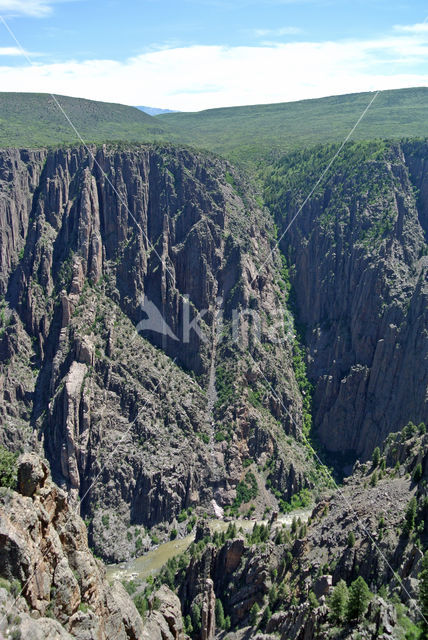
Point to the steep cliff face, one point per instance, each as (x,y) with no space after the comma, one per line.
(19,177)
(56,585)
(358,257)
(112,348)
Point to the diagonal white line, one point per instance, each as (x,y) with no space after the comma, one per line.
(8,610)
(338,489)
(318,182)
(89,151)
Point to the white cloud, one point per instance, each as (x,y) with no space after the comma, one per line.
(33,8)
(11,51)
(420,27)
(282,31)
(201,77)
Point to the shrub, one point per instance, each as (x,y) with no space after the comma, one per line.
(7,468)
(182,516)
(141,604)
(313,600)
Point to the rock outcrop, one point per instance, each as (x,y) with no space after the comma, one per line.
(52,586)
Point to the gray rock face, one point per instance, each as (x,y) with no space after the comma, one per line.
(361,288)
(44,546)
(32,474)
(20,172)
(120,423)
(164,622)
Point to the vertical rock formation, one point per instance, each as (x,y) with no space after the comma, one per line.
(158,240)
(359,274)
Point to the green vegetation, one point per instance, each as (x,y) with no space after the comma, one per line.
(7,468)
(417,473)
(338,602)
(34,120)
(376,457)
(351,539)
(245,491)
(423,596)
(219,614)
(246,133)
(304,386)
(359,598)
(254,614)
(289,181)
(410,517)
(299,500)
(224,386)
(243,134)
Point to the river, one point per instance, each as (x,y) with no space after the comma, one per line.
(151,562)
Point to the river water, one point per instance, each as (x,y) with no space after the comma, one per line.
(152,561)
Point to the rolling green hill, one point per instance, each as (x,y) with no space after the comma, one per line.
(245,133)
(242,134)
(33,119)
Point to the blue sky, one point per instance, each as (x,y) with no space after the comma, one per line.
(195,54)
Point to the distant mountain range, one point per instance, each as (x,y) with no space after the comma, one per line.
(153,111)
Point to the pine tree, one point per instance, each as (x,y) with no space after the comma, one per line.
(423,596)
(351,539)
(188,627)
(254,614)
(376,457)
(417,473)
(267,615)
(410,517)
(359,598)
(338,602)
(219,614)
(313,600)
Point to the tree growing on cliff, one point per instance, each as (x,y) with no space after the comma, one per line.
(410,517)
(359,598)
(196,617)
(267,615)
(376,457)
(351,539)
(219,614)
(423,596)
(254,614)
(417,473)
(338,602)
(7,468)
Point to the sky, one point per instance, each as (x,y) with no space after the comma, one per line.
(190,55)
